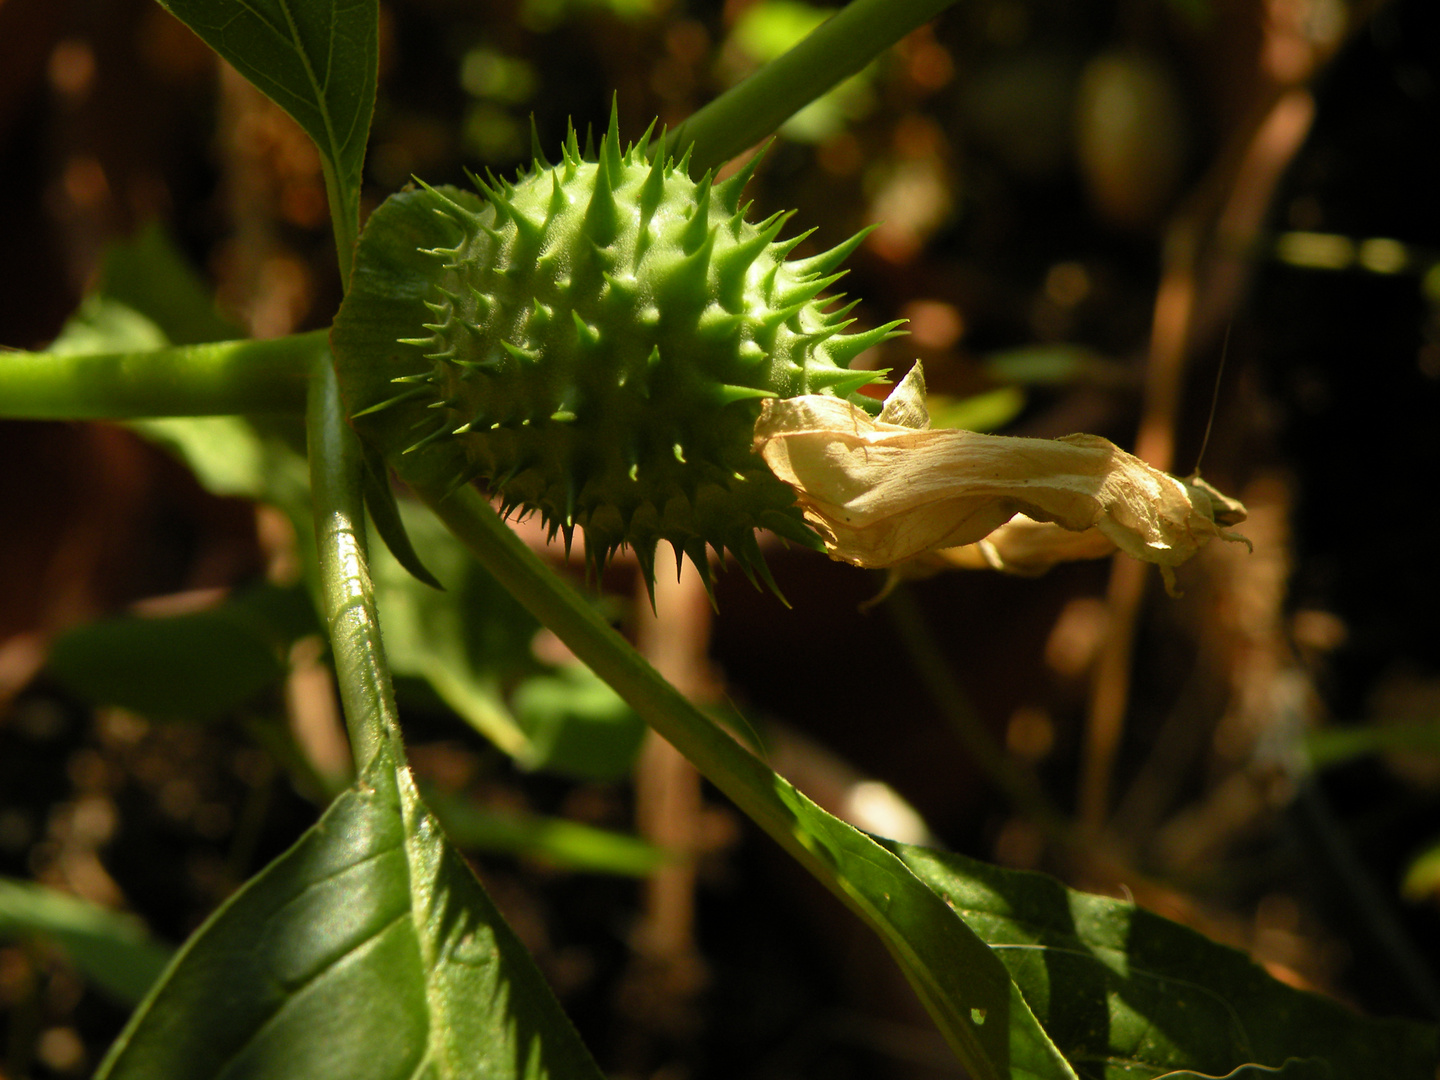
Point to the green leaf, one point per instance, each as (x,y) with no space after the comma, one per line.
(1127,995)
(112,950)
(1058,365)
(960,981)
(957,977)
(1330,746)
(317,60)
(555,841)
(368,951)
(467,641)
(979,412)
(577,725)
(385,515)
(196,665)
(150,275)
(105,325)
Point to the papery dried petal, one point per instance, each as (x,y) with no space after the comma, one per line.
(879,493)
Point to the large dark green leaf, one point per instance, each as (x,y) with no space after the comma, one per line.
(317,60)
(111,949)
(367,952)
(198,664)
(1126,994)
(960,980)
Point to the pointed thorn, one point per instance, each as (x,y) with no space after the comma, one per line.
(842,350)
(728,393)
(645,557)
(602,216)
(641,150)
(728,191)
(525,356)
(464,211)
(698,229)
(589,335)
(537,155)
(610,142)
(654,190)
(784,247)
(827,261)
(398,399)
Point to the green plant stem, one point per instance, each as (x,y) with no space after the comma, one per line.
(713,751)
(764,796)
(187,380)
(836,50)
(344,202)
(363,675)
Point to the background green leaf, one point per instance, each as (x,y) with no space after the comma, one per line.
(317,60)
(112,950)
(577,725)
(368,951)
(554,841)
(1126,994)
(196,665)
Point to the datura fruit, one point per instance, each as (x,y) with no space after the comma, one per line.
(611,345)
(592,342)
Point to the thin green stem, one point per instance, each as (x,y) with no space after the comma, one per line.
(837,49)
(360,667)
(186,380)
(831,851)
(344,204)
(712,750)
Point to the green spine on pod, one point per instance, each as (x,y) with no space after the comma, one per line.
(592,342)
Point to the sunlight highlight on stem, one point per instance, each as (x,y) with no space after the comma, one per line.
(837,49)
(214,379)
(350,615)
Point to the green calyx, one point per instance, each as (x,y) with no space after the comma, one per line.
(592,342)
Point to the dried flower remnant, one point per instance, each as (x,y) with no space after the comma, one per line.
(881,492)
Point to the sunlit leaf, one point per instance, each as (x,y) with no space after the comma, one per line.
(317,60)
(577,726)
(368,951)
(149,274)
(1128,995)
(978,412)
(466,641)
(963,984)
(111,950)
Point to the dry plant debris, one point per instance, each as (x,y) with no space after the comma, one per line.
(884,491)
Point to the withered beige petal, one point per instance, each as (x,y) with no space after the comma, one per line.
(1026,547)
(879,493)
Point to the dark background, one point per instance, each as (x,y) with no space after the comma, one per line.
(1000,235)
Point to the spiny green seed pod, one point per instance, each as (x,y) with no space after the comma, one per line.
(592,342)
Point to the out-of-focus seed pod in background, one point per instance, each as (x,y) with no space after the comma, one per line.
(1131,137)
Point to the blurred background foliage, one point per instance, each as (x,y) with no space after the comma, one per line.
(1080,208)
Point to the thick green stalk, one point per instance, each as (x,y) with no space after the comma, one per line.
(350,616)
(764,796)
(837,49)
(185,380)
